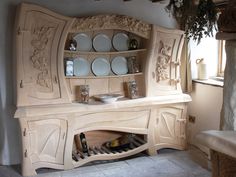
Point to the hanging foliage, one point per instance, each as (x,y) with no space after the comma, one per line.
(198,20)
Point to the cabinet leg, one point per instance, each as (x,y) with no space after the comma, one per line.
(152,151)
(27,168)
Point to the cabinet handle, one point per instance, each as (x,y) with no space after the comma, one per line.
(21,84)
(55,79)
(24,132)
(64,135)
(177,63)
(182,123)
(26,153)
(20,31)
(175,81)
(182,120)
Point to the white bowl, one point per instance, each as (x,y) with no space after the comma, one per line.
(108,98)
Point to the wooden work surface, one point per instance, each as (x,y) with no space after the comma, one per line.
(30,111)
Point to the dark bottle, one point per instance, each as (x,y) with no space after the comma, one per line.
(83,143)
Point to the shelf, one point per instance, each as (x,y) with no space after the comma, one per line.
(103,153)
(100,77)
(68,53)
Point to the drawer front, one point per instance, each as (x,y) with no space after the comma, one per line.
(115,119)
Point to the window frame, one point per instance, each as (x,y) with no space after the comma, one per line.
(221,55)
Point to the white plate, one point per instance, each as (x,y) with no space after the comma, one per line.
(101,67)
(120,42)
(84,42)
(81,67)
(102,43)
(119,65)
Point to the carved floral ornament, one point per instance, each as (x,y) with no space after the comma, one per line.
(163,61)
(102,22)
(39,58)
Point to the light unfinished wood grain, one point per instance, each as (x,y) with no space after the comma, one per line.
(47,109)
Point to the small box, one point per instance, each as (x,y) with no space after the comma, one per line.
(69,69)
(133,66)
(82,93)
(132,89)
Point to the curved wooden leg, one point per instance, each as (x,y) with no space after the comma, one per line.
(152,151)
(27,168)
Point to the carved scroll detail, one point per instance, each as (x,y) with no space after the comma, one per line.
(101,22)
(163,60)
(39,59)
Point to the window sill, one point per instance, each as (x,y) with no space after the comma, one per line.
(214,81)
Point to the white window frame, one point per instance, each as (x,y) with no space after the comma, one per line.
(221,58)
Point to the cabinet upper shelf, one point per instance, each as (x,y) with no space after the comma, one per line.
(99,77)
(68,53)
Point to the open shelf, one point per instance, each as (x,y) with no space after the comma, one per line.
(138,144)
(71,54)
(100,77)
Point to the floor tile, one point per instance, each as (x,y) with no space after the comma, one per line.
(168,163)
(120,164)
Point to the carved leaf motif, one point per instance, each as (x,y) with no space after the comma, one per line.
(112,22)
(163,60)
(40,40)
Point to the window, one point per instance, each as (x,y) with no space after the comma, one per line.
(222,58)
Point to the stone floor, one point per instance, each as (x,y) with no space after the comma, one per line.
(168,163)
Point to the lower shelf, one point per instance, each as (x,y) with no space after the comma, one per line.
(104,153)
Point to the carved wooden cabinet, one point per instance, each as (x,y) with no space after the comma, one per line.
(51,119)
(170,124)
(48,146)
(40,36)
(43,141)
(162,74)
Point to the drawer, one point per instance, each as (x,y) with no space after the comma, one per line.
(114,120)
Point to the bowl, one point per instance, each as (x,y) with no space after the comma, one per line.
(108,98)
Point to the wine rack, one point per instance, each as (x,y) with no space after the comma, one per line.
(138,144)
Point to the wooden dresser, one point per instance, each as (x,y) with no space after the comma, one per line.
(47,107)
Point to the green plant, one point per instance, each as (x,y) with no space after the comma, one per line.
(198,20)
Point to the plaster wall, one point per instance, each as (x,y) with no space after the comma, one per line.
(206,108)
(206,99)
(9,128)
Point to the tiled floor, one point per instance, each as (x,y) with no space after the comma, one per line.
(168,163)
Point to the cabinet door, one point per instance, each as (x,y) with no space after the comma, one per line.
(40,38)
(162,72)
(170,127)
(47,140)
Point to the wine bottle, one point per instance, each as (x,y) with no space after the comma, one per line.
(84,143)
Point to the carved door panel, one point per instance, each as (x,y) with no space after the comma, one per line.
(164,61)
(39,41)
(47,140)
(170,127)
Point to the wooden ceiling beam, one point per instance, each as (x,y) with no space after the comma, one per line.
(131,0)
